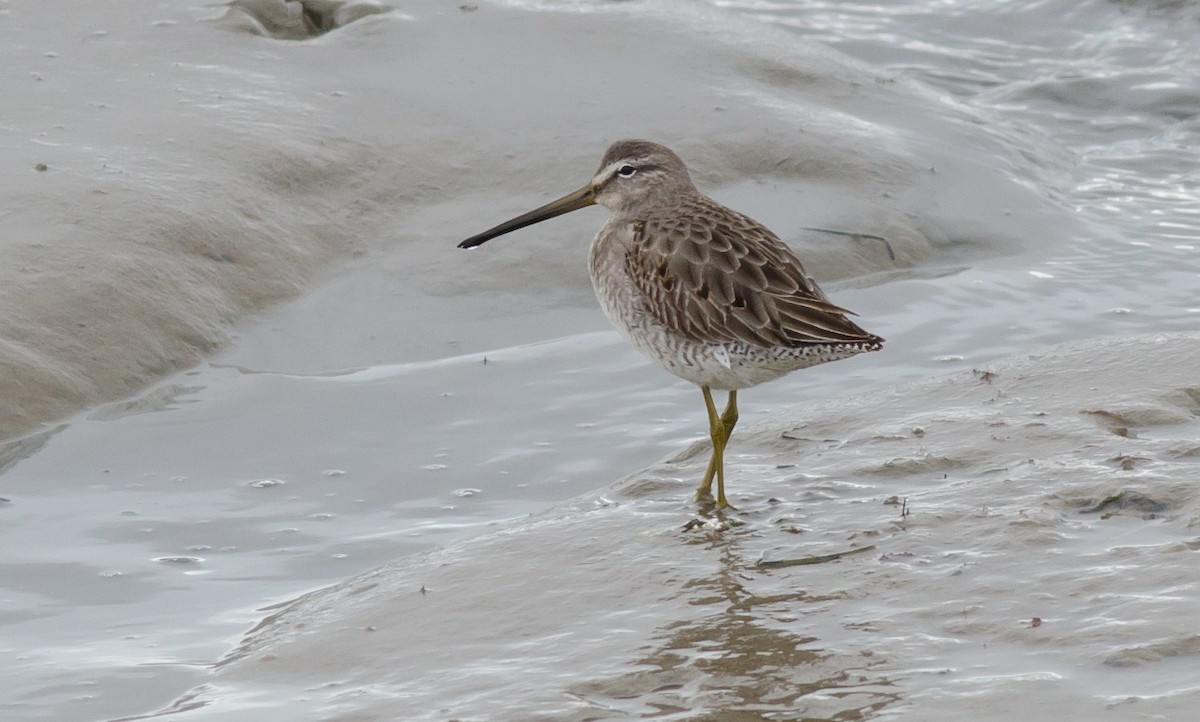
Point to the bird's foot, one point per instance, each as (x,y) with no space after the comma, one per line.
(709,504)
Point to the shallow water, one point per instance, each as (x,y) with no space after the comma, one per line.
(141,537)
(138,523)
(942,604)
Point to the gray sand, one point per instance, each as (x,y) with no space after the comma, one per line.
(215,173)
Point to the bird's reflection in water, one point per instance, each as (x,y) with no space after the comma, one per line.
(741,657)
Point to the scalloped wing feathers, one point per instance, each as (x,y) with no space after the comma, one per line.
(715,275)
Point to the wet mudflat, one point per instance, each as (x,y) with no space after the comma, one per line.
(1031,519)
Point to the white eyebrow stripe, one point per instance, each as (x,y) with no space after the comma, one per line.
(608,171)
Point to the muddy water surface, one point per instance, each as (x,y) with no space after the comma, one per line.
(143,536)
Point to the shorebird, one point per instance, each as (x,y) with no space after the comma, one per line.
(710,294)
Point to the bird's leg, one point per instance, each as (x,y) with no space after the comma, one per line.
(729,419)
(704,491)
(719,429)
(730,415)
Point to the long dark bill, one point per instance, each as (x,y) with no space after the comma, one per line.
(581,198)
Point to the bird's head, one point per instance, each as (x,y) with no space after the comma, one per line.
(634,174)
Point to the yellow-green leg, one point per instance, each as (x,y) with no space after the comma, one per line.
(720,428)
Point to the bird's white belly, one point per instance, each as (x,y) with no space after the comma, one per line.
(723,366)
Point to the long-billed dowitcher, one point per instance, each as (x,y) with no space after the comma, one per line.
(710,294)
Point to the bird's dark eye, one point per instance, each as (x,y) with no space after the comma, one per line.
(626,171)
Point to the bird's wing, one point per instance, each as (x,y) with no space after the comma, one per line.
(719,276)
